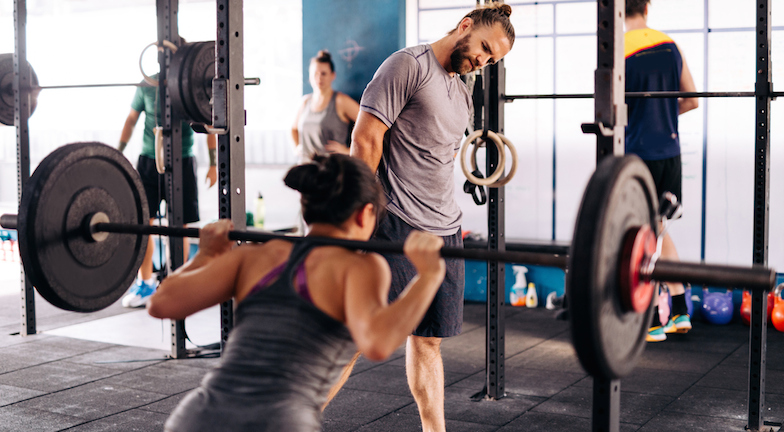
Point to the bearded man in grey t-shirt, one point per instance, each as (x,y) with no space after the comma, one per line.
(412,118)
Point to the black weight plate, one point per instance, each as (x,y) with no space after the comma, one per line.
(190,80)
(7,89)
(608,339)
(69,270)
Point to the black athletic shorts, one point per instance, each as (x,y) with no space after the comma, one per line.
(155,187)
(444,318)
(667,175)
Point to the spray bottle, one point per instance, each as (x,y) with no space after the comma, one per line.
(517,296)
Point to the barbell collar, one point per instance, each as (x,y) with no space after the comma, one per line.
(752,278)
(8,221)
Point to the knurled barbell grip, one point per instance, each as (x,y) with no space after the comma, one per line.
(752,278)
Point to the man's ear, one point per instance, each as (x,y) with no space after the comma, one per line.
(464,25)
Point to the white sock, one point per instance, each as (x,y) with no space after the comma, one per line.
(151,281)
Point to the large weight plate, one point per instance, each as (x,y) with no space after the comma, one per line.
(189,80)
(7,89)
(69,270)
(607,336)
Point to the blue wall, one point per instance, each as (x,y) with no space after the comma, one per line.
(360,35)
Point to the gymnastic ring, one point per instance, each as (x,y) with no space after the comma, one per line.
(149,80)
(512,169)
(499,171)
(160,163)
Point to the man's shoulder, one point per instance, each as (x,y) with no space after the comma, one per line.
(642,39)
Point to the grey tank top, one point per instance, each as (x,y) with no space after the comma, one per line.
(317,128)
(280,361)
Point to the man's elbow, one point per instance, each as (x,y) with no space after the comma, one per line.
(689,104)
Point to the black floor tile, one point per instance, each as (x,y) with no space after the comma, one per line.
(636,408)
(656,382)
(16,419)
(129,421)
(551,355)
(679,360)
(91,401)
(11,394)
(527,381)
(672,422)
(164,378)
(44,350)
(548,422)
(397,422)
(723,403)
(352,409)
(166,405)
(54,376)
(458,405)
(121,357)
(737,378)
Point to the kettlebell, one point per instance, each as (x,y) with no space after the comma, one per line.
(777,316)
(717,307)
(745,307)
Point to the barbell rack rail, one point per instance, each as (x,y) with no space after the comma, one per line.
(637,95)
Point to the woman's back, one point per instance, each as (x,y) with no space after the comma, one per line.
(282,357)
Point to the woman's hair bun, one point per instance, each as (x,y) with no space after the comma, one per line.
(324,54)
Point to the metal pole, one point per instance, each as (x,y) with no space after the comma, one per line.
(229,112)
(21,84)
(759,299)
(606,409)
(172,145)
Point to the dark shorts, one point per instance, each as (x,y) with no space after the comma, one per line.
(155,187)
(667,175)
(444,318)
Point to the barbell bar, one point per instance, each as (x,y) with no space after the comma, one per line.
(83,221)
(638,95)
(248,82)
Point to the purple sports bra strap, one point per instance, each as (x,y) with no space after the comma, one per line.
(265,281)
(302,283)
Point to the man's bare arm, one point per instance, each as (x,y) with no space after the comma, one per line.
(687,85)
(367,140)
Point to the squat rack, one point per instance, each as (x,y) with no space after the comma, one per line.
(228,114)
(609,127)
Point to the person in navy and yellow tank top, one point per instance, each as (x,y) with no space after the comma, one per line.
(654,63)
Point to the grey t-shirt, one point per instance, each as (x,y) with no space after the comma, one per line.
(427,112)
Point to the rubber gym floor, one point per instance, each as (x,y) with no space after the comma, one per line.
(691,382)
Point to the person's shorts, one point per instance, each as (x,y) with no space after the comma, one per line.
(155,187)
(666,175)
(444,318)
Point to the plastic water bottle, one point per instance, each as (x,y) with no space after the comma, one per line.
(258,221)
(517,296)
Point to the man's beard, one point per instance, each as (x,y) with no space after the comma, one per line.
(458,58)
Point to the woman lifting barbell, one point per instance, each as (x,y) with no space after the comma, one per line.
(303,311)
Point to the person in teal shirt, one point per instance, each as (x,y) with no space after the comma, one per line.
(146,101)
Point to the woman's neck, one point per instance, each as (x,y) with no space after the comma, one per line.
(323,94)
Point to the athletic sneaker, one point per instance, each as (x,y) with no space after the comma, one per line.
(682,323)
(656,334)
(139,294)
(670,327)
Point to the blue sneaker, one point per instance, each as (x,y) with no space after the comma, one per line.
(656,334)
(682,323)
(670,327)
(139,294)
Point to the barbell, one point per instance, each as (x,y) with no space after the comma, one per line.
(189,83)
(83,218)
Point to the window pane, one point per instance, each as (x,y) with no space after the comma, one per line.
(575,64)
(575,161)
(532,19)
(433,25)
(676,14)
(529,67)
(730,181)
(731,13)
(575,18)
(731,61)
